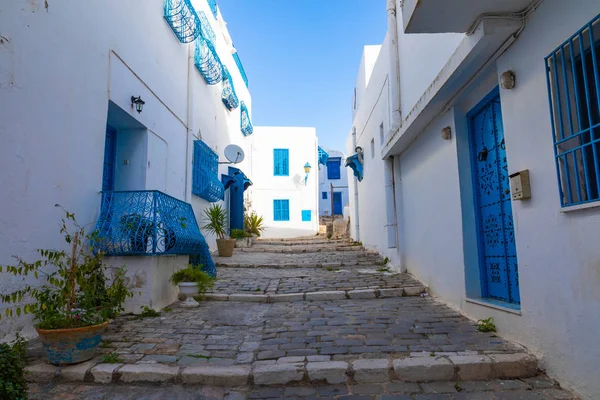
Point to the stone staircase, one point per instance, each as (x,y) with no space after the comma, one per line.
(300,318)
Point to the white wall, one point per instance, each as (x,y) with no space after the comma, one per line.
(365,70)
(340,185)
(302,145)
(54,104)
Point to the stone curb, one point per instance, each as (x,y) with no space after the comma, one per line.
(405,291)
(419,368)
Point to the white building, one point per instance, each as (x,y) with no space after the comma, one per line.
(282,192)
(466,173)
(333,183)
(70,74)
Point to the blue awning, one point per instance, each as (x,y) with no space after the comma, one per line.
(354,163)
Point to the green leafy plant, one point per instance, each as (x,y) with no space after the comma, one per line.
(12,370)
(254,224)
(239,234)
(194,274)
(383,270)
(215,218)
(486,325)
(167,309)
(148,312)
(111,358)
(386,260)
(458,388)
(77,289)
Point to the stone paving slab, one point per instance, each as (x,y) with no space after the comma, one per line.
(303,280)
(539,388)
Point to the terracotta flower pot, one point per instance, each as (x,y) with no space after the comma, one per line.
(71,346)
(225,247)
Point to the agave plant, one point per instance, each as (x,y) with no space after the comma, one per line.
(215,218)
(254,223)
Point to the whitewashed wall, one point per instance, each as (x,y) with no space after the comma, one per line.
(302,145)
(61,66)
(340,185)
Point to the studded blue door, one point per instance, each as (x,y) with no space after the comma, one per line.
(110,154)
(498,254)
(337,203)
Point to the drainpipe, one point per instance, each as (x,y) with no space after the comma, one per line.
(188,126)
(356,224)
(394,68)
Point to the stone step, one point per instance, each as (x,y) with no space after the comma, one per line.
(300,249)
(315,242)
(333,264)
(418,367)
(320,296)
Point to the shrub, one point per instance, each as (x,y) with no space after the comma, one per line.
(12,375)
(239,234)
(194,274)
(254,224)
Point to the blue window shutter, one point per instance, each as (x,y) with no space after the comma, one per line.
(281,162)
(333,168)
(324,195)
(276,210)
(306,215)
(285,210)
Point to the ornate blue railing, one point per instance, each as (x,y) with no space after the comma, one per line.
(228,95)
(245,123)
(213,7)
(205,173)
(323,156)
(354,163)
(238,62)
(182,17)
(207,61)
(205,29)
(148,222)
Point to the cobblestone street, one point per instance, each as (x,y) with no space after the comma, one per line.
(297,317)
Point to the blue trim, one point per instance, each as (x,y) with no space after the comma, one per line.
(281,162)
(306,215)
(213,7)
(110,155)
(238,62)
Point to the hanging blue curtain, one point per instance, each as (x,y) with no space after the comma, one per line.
(182,18)
(245,122)
(228,96)
(354,163)
(207,61)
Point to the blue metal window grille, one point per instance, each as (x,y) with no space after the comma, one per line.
(333,168)
(573,79)
(323,156)
(245,123)
(306,215)
(183,19)
(354,163)
(324,195)
(281,162)
(281,210)
(228,95)
(205,173)
(207,61)
(213,7)
(238,62)
(205,29)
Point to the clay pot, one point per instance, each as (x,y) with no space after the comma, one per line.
(225,247)
(71,346)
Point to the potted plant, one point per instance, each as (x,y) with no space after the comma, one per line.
(193,283)
(254,224)
(242,238)
(215,218)
(75,299)
(139,229)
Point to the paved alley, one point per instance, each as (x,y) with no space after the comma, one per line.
(305,318)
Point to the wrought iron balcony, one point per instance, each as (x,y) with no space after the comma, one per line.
(147,222)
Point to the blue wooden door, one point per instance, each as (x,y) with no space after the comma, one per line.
(110,154)
(498,253)
(337,203)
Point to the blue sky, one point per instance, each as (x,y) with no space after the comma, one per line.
(302,57)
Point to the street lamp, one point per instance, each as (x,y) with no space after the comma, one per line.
(138,103)
(307,168)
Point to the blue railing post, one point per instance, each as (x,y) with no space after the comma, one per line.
(155,227)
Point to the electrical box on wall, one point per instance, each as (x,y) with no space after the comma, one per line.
(519,185)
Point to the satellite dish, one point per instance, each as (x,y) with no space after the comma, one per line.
(234,153)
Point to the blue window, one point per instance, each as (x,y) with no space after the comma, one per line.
(324,195)
(306,215)
(281,210)
(573,78)
(333,168)
(281,162)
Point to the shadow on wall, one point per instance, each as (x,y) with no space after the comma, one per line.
(274,232)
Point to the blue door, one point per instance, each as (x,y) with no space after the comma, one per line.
(110,154)
(498,253)
(337,203)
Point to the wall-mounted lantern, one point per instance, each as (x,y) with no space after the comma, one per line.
(138,103)
(307,168)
